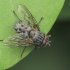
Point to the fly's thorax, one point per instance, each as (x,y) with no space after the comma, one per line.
(21,27)
(37,37)
(35,27)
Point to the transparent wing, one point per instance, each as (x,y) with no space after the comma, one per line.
(16,41)
(26,15)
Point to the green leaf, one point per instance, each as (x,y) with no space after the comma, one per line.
(50,9)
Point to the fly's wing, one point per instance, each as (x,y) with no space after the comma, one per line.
(26,15)
(16,41)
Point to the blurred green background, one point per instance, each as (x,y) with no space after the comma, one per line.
(57,56)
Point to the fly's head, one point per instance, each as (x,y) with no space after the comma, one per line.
(40,39)
(46,41)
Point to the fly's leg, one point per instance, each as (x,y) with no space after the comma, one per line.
(40,20)
(16,15)
(23,50)
(1,40)
(36,26)
(39,23)
(35,48)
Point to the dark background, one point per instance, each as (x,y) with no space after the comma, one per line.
(57,56)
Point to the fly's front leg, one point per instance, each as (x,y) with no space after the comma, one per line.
(40,20)
(36,26)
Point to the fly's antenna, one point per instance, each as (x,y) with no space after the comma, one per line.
(23,50)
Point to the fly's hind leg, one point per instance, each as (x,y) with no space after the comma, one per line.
(16,15)
(1,40)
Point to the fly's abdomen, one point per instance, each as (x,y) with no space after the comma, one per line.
(22,28)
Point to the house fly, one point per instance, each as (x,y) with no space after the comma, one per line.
(27,31)
(38,37)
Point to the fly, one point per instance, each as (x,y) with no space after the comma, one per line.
(27,31)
